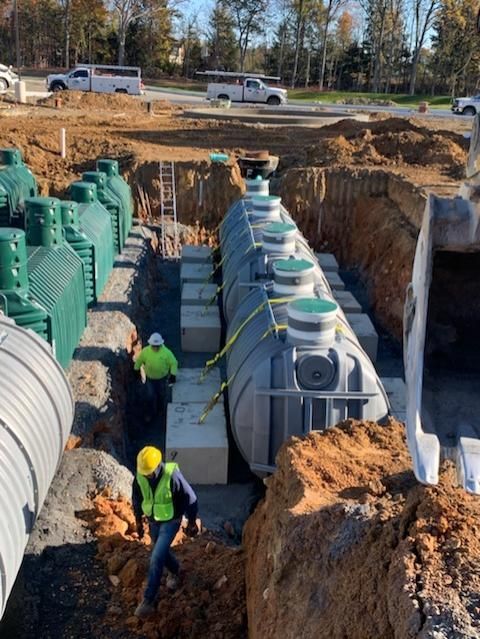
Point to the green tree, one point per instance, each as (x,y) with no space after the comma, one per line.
(456,44)
(249,17)
(222,46)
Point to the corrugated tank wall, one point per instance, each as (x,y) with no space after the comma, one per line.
(36,414)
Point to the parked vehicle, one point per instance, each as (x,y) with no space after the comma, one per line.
(98,78)
(243,87)
(7,78)
(467,106)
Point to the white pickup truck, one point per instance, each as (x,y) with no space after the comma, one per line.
(467,106)
(241,87)
(7,78)
(99,79)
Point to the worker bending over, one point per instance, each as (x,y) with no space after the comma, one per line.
(162,494)
(160,366)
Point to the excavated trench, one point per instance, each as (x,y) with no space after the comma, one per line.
(369,219)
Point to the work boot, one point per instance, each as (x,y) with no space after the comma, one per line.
(173,582)
(144,609)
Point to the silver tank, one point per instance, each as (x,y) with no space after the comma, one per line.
(294,364)
(36,415)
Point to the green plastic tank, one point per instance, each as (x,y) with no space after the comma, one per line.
(15,298)
(118,186)
(55,276)
(88,229)
(17,183)
(111,204)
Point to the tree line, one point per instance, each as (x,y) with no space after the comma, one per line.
(381,46)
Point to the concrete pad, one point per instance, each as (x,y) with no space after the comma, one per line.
(328,262)
(365,331)
(201,450)
(397,394)
(347,302)
(198,294)
(188,386)
(196,254)
(200,329)
(335,281)
(196,273)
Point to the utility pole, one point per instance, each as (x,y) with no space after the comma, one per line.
(17,35)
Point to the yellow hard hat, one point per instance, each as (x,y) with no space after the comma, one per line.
(148,459)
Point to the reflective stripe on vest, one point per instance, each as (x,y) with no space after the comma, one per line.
(160,505)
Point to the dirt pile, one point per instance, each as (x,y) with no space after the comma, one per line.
(97,101)
(392,142)
(347,544)
(209,603)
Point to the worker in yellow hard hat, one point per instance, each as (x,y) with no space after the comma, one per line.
(163,496)
(160,366)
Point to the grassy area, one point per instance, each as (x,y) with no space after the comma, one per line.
(402,99)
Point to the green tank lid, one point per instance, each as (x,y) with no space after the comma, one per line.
(313,305)
(96,177)
(69,211)
(110,167)
(44,221)
(293,265)
(13,260)
(83,192)
(11,157)
(279,228)
(267,198)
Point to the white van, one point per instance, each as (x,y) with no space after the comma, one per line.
(99,78)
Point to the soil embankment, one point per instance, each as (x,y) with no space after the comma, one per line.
(348,544)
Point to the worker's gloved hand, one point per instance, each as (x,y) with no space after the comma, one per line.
(192,529)
(172,379)
(140,529)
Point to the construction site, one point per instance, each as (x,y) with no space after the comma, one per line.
(317,281)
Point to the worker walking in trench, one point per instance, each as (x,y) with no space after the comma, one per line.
(162,494)
(160,366)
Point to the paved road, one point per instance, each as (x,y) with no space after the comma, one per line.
(179,96)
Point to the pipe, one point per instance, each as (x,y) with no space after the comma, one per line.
(36,415)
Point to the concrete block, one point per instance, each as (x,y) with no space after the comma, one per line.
(328,262)
(397,394)
(188,386)
(200,329)
(196,273)
(196,254)
(335,281)
(198,294)
(347,302)
(365,331)
(201,450)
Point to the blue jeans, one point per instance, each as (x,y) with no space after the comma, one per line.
(156,391)
(162,534)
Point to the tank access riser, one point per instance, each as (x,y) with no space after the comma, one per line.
(441,336)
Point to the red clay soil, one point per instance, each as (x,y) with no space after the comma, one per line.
(210,601)
(347,545)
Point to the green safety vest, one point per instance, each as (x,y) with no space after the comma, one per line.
(159,505)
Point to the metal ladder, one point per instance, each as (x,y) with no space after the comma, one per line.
(168,205)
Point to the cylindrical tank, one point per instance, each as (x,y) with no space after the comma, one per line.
(111,204)
(119,188)
(36,414)
(44,222)
(279,388)
(17,182)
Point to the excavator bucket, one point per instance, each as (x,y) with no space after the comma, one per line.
(442,334)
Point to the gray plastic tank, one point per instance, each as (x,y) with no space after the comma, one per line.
(36,414)
(292,371)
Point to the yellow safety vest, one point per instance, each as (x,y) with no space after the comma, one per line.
(160,505)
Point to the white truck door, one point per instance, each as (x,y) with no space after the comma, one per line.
(79,80)
(255,91)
